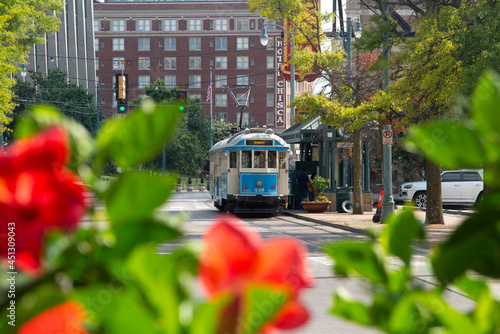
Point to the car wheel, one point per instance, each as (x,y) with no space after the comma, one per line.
(420,199)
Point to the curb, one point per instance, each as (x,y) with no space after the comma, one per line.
(317,221)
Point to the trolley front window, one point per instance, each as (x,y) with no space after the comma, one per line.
(271,159)
(246,159)
(233,158)
(259,159)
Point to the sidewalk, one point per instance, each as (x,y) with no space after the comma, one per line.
(359,223)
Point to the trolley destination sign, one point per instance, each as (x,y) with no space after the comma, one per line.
(259,142)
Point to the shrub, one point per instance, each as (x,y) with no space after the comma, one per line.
(317,186)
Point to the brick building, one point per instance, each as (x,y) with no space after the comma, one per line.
(183,42)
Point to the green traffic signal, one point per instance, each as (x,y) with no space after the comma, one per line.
(122,108)
(181,108)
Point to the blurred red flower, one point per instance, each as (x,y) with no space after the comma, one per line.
(37,193)
(235,258)
(65,318)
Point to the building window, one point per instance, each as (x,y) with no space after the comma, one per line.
(195,63)
(242,24)
(143,44)
(169,44)
(160,25)
(270,100)
(221,116)
(221,24)
(170,63)
(252,24)
(242,80)
(220,81)
(96,44)
(194,44)
(221,100)
(143,25)
(245,118)
(118,44)
(194,25)
(96,63)
(242,62)
(144,63)
(221,63)
(270,43)
(118,63)
(242,43)
(270,81)
(170,25)
(221,43)
(195,81)
(252,62)
(118,25)
(170,81)
(143,81)
(96,25)
(269,118)
(270,62)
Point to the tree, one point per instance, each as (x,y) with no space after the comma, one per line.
(22,25)
(74,101)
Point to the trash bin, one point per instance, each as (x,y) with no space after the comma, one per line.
(343,194)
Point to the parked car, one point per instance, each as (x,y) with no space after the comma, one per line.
(463,186)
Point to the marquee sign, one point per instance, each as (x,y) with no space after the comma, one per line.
(280,87)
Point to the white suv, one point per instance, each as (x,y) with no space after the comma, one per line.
(463,186)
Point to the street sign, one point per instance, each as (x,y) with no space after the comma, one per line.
(387,137)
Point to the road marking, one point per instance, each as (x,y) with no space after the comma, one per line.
(321,259)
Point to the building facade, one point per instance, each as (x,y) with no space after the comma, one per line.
(191,44)
(71,49)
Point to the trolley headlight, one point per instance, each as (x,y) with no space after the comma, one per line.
(259,183)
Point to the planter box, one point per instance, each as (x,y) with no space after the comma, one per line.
(315,207)
(189,187)
(178,187)
(201,187)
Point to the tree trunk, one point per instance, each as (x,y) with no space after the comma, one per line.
(434,214)
(357,175)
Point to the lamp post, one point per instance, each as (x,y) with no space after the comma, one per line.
(264,38)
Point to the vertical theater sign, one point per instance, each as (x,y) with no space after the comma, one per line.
(280,86)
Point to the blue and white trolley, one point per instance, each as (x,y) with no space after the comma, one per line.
(249,172)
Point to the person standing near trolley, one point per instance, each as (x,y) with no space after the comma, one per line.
(303,182)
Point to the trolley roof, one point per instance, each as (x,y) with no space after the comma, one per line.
(238,141)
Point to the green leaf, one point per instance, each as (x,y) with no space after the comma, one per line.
(351,310)
(261,303)
(451,144)
(358,258)
(474,245)
(134,196)
(206,317)
(400,232)
(138,137)
(42,117)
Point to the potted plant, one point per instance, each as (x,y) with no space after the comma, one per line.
(178,184)
(319,203)
(189,186)
(201,186)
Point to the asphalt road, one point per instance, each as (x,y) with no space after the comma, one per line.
(200,215)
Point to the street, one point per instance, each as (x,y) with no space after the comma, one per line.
(201,212)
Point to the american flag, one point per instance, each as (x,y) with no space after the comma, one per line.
(209,92)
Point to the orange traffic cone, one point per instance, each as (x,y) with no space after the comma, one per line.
(378,214)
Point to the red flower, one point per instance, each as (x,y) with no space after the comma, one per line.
(235,258)
(65,318)
(37,192)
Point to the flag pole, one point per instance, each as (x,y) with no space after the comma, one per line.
(211,105)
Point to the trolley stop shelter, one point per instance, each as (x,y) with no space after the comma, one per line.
(326,151)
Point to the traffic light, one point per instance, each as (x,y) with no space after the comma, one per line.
(181,99)
(122,106)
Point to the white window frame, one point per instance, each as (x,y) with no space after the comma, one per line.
(194,25)
(143,81)
(221,25)
(170,80)
(220,81)
(245,118)
(221,63)
(96,25)
(242,43)
(195,63)
(118,44)
(143,63)
(170,40)
(270,81)
(118,25)
(269,100)
(269,62)
(170,25)
(143,25)
(143,44)
(117,63)
(170,63)
(242,25)
(194,43)
(242,63)
(195,81)
(221,100)
(96,44)
(242,79)
(220,43)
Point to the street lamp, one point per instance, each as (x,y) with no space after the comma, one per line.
(264,39)
(23,72)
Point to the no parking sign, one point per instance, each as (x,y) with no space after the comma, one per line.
(387,136)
